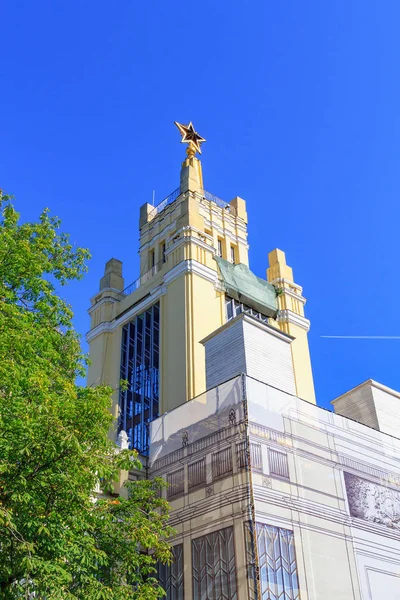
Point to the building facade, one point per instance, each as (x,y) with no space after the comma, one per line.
(272,497)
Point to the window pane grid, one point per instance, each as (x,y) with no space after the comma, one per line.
(234,308)
(139,403)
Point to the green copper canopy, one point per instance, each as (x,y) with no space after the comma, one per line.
(240,283)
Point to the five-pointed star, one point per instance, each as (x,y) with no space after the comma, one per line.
(190,136)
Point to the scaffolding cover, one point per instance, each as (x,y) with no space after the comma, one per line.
(241,284)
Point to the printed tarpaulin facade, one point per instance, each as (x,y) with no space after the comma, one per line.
(240,283)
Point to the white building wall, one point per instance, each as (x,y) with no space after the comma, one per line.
(331,485)
(358,404)
(268,356)
(246,345)
(341,499)
(387,410)
(225,354)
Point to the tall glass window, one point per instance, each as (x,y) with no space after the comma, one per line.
(277,563)
(140,367)
(213,566)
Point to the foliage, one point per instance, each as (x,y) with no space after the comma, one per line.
(58,540)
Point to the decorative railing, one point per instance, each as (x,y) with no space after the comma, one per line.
(176,193)
(216,200)
(142,279)
(168,200)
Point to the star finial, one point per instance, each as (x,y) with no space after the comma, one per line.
(191,137)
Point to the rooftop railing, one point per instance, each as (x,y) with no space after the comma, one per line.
(216,200)
(168,200)
(176,193)
(142,279)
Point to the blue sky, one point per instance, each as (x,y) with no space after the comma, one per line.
(300,105)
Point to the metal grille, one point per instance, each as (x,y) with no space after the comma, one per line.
(222,463)
(216,200)
(168,200)
(278,463)
(140,362)
(277,563)
(135,285)
(176,483)
(241,455)
(197,473)
(256,457)
(170,577)
(213,566)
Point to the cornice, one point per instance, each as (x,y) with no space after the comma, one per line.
(288,316)
(103,291)
(189,239)
(286,283)
(105,327)
(105,300)
(158,236)
(110,326)
(187,266)
(191,266)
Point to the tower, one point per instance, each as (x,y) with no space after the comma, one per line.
(292,321)
(194,277)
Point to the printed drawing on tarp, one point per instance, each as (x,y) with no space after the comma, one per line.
(373,502)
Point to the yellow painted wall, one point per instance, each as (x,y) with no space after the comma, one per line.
(105,355)
(302,364)
(204,314)
(173,346)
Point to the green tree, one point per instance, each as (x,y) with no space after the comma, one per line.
(58,539)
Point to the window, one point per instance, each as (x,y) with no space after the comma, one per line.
(222,463)
(278,463)
(163,247)
(152,259)
(234,308)
(277,563)
(176,483)
(213,566)
(219,252)
(170,577)
(233,255)
(256,457)
(197,474)
(241,455)
(140,364)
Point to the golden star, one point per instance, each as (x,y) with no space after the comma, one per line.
(190,136)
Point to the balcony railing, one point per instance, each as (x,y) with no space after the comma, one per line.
(142,279)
